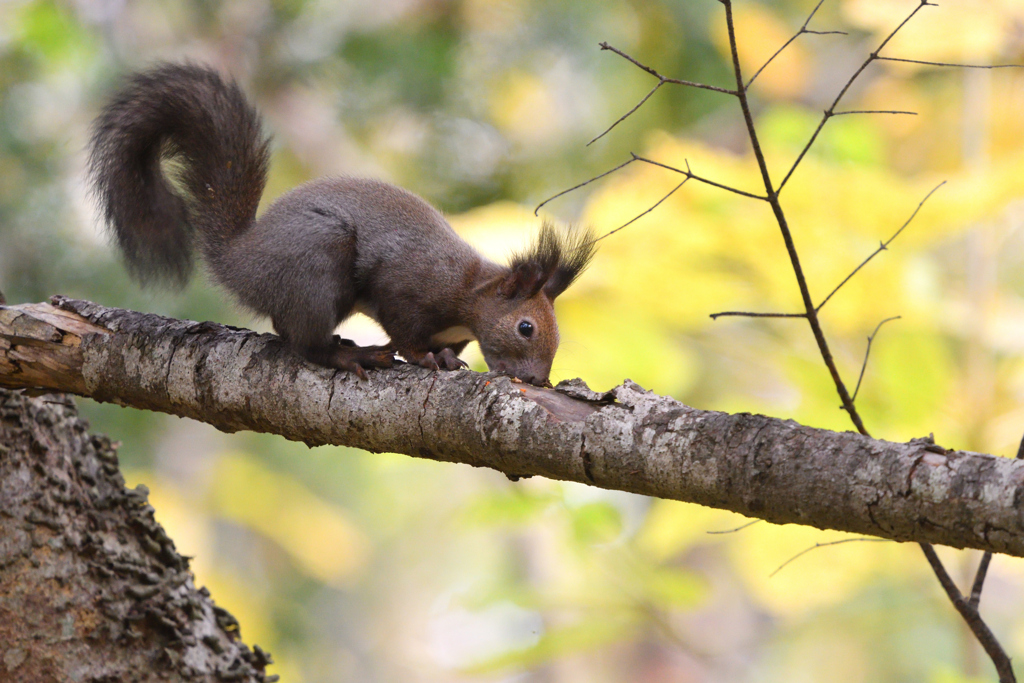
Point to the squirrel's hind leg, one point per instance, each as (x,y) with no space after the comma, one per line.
(351,358)
(443,359)
(318,345)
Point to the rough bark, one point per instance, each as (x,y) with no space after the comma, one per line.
(91,587)
(627,439)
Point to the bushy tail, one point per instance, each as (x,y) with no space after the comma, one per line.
(187,119)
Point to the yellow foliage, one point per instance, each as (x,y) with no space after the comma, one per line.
(317,535)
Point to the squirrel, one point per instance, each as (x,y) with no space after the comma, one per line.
(322,251)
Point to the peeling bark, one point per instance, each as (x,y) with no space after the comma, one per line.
(91,587)
(627,439)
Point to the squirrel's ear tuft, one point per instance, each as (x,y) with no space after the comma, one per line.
(576,247)
(551,263)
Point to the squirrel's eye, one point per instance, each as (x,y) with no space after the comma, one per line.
(526,329)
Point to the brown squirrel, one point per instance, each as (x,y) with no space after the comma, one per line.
(323,250)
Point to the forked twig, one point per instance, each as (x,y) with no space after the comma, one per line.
(662,80)
(830,112)
(867,353)
(882,246)
(676,81)
(690,174)
(970,615)
(802,31)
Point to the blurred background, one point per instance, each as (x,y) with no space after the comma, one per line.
(349,566)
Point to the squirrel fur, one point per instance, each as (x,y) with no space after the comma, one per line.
(322,251)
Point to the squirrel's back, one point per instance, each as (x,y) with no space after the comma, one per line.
(186,114)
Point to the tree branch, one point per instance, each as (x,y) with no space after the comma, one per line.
(627,439)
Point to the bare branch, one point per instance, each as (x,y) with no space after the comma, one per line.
(739,528)
(690,174)
(979,580)
(628,113)
(873,111)
(882,246)
(638,217)
(822,545)
(803,30)
(867,353)
(830,112)
(585,182)
(787,237)
(970,615)
(747,314)
(948,64)
(692,84)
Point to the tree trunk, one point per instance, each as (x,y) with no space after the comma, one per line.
(91,587)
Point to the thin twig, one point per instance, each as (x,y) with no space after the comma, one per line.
(830,112)
(979,579)
(690,174)
(873,111)
(739,528)
(803,30)
(677,81)
(628,113)
(585,182)
(948,64)
(747,314)
(638,217)
(867,353)
(882,246)
(823,545)
(970,615)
